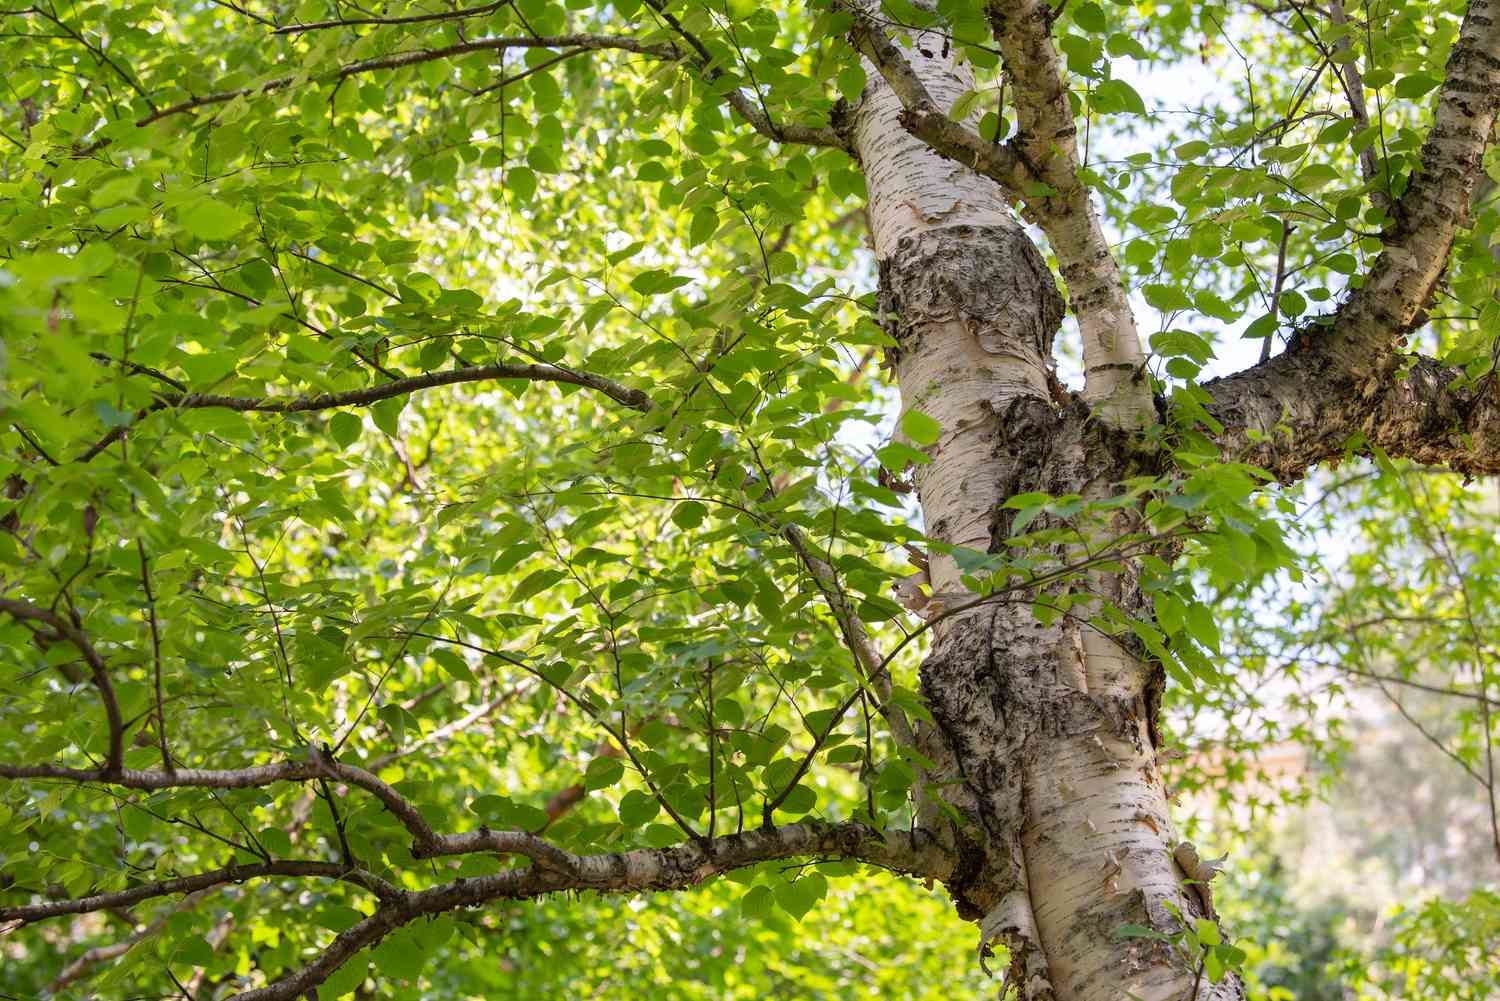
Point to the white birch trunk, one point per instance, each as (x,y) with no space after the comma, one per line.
(1050,726)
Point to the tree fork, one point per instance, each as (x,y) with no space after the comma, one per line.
(1048,729)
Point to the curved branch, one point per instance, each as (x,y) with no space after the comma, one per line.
(758,118)
(25,610)
(872,667)
(921,115)
(28,913)
(636,871)
(1346,386)
(1046,140)
(317,766)
(90,958)
(632,398)
(402,59)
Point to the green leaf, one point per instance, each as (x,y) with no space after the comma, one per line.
(1167,298)
(1415,86)
(387,415)
(344,428)
(964,105)
(522,182)
(1201,625)
(345,980)
(851,82)
(636,808)
(757,903)
(689,514)
(1117,96)
(210,219)
(602,773)
(798,897)
(1090,17)
(655,282)
(920,428)
(535,584)
(705,224)
(452,664)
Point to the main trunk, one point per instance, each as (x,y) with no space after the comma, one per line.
(1044,733)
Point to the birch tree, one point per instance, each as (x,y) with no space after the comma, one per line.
(459,456)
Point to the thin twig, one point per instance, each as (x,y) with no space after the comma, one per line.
(447,15)
(161,717)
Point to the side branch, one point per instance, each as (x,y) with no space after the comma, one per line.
(27,612)
(1346,384)
(28,913)
(1295,411)
(1046,140)
(317,766)
(401,59)
(921,115)
(872,666)
(445,15)
(632,398)
(757,116)
(636,871)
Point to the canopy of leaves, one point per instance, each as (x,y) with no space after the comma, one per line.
(488,397)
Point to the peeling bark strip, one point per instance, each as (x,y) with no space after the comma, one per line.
(1045,732)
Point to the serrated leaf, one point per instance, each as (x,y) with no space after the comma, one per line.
(920,428)
(689,514)
(209,219)
(344,428)
(705,224)
(535,584)
(964,106)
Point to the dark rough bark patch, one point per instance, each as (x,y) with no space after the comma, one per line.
(992,278)
(1301,408)
(1027,430)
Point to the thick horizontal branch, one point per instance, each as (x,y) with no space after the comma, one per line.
(402,59)
(1346,384)
(1299,409)
(63,629)
(538,849)
(645,869)
(426,843)
(28,913)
